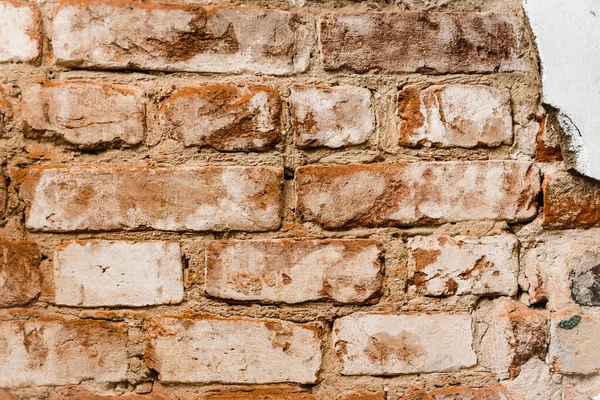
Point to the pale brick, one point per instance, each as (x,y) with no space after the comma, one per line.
(180,37)
(459,393)
(394,344)
(53,351)
(181,199)
(405,194)
(509,334)
(291,271)
(236,350)
(20,31)
(20,277)
(331,116)
(224,117)
(575,350)
(570,201)
(88,115)
(106,273)
(561,269)
(455,116)
(444,265)
(535,382)
(581,387)
(411,41)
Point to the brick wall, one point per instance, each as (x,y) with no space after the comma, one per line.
(300,201)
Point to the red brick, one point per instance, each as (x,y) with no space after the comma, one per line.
(570,201)
(255,395)
(361,395)
(224,117)
(234,350)
(455,116)
(54,351)
(77,395)
(404,194)
(20,277)
(410,41)
(180,199)
(179,37)
(548,140)
(294,271)
(3,193)
(491,393)
(20,31)
(331,116)
(88,115)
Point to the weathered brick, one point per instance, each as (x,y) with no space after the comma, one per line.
(3,193)
(535,382)
(233,350)
(331,116)
(54,351)
(362,395)
(179,37)
(411,41)
(548,140)
(509,334)
(388,344)
(570,201)
(255,395)
(443,265)
(20,277)
(224,117)
(404,194)
(458,393)
(291,271)
(455,116)
(20,31)
(561,269)
(107,273)
(78,395)
(574,350)
(88,115)
(113,198)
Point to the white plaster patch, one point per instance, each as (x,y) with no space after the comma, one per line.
(568,39)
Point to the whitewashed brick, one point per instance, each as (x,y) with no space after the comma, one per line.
(236,350)
(394,344)
(20,31)
(105,273)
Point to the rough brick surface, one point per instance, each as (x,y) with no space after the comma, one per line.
(3,193)
(224,117)
(20,31)
(288,271)
(53,351)
(575,350)
(509,335)
(420,42)
(387,344)
(107,273)
(20,277)
(570,201)
(561,269)
(331,116)
(444,265)
(179,37)
(88,115)
(417,193)
(491,393)
(112,198)
(455,116)
(233,350)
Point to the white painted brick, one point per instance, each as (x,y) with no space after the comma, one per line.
(105,273)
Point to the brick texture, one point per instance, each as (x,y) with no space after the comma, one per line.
(224,117)
(573,350)
(417,193)
(387,344)
(105,273)
(331,117)
(213,350)
(570,201)
(20,31)
(420,42)
(20,277)
(54,351)
(85,114)
(443,266)
(112,198)
(285,271)
(179,37)
(455,116)
(491,393)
